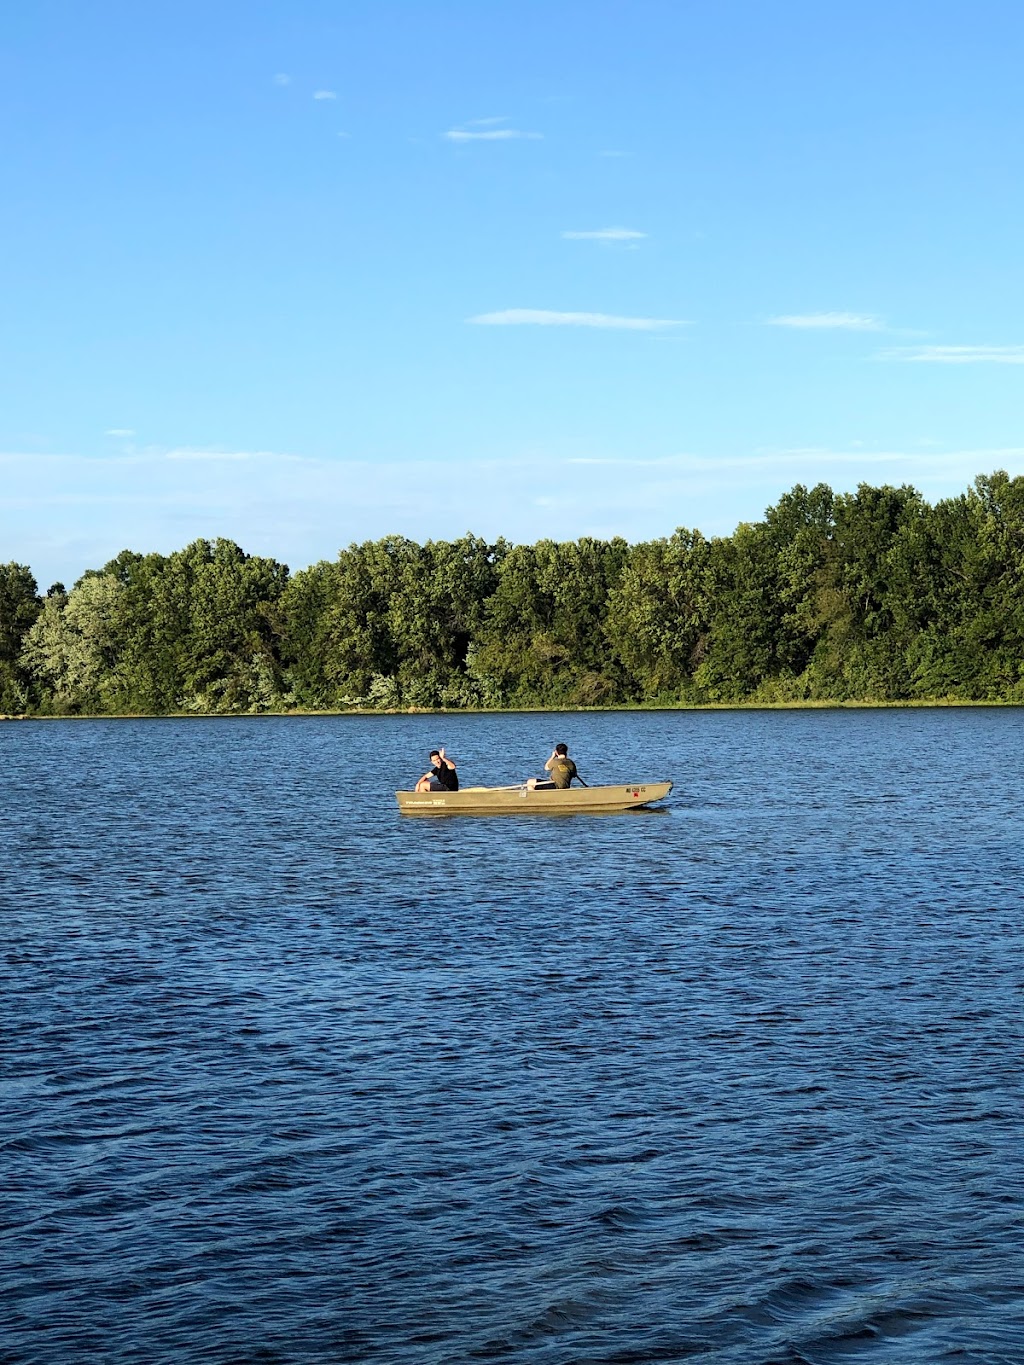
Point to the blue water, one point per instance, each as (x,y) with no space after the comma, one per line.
(287,1077)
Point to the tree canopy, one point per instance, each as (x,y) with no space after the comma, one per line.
(874,595)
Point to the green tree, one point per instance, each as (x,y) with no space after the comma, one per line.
(436,612)
(543,640)
(959,581)
(657,619)
(19,608)
(70,650)
(303,626)
(355,635)
(861,652)
(227,602)
(763,583)
(743,612)
(149,638)
(194,631)
(389,623)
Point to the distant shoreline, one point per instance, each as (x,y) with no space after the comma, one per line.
(838,601)
(915,704)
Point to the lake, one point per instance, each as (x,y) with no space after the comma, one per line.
(288,1077)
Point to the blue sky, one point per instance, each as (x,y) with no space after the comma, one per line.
(301,274)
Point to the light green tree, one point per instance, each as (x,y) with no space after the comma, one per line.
(71,649)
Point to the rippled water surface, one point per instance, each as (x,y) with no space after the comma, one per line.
(288,1077)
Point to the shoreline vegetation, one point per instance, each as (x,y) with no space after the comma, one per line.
(911,704)
(867,599)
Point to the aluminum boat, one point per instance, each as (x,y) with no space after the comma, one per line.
(532,800)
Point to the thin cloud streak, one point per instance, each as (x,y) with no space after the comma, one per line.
(298,509)
(956,355)
(539,317)
(324,95)
(490,135)
(189,453)
(846,322)
(810,455)
(612,234)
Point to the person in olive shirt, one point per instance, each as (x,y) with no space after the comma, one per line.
(441,776)
(561,768)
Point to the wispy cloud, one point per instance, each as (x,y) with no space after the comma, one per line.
(847,322)
(219,456)
(478,134)
(610,234)
(119,431)
(542,317)
(70,512)
(956,355)
(324,95)
(811,457)
(282,78)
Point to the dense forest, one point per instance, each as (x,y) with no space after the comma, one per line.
(874,596)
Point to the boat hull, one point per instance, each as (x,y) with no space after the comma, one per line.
(525,800)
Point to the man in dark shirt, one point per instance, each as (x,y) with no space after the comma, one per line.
(441,775)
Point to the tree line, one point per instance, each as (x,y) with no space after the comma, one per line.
(873,596)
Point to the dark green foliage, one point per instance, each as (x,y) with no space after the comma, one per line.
(390,622)
(873,595)
(658,618)
(19,608)
(861,650)
(959,594)
(543,640)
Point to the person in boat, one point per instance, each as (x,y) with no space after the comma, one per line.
(561,769)
(441,775)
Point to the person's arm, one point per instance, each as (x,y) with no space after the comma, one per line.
(548,764)
(448,762)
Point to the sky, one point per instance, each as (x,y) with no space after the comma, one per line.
(308,273)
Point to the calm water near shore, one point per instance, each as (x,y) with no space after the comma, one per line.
(285,1077)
